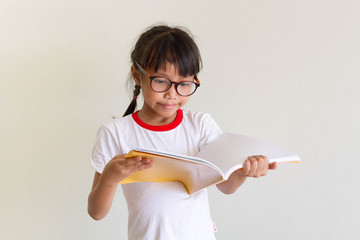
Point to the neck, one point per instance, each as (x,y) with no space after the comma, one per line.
(154,119)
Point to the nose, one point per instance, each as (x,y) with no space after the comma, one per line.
(171,93)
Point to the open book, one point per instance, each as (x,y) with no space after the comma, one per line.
(214,163)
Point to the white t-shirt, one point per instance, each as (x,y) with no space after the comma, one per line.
(160,210)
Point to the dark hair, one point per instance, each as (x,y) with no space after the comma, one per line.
(161,44)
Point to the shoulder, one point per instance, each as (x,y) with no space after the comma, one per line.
(198,118)
(196,115)
(203,124)
(116,123)
(113,127)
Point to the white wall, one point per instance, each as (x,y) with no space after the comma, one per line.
(283,71)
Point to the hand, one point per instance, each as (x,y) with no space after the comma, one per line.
(256,166)
(120,168)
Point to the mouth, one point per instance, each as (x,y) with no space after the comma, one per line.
(168,106)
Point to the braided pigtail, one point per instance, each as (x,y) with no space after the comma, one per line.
(131,108)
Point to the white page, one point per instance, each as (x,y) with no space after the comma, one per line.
(229,151)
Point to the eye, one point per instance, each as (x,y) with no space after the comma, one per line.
(185,84)
(161,81)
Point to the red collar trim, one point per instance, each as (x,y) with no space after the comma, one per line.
(161,128)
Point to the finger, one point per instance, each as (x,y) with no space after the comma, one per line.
(262,168)
(253,166)
(141,165)
(146,162)
(122,157)
(132,161)
(141,161)
(265,159)
(264,165)
(149,164)
(128,170)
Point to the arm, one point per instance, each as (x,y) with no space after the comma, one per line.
(105,184)
(254,166)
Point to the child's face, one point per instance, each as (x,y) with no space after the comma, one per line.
(161,108)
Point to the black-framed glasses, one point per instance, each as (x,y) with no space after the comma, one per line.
(162,84)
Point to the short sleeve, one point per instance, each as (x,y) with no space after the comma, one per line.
(104,149)
(209,130)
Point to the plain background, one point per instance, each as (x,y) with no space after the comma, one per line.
(283,71)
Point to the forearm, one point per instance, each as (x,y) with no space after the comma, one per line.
(100,200)
(232,184)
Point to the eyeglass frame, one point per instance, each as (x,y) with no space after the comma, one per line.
(151,78)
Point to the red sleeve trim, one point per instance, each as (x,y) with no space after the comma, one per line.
(161,128)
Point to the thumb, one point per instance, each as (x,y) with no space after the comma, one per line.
(273,165)
(246,168)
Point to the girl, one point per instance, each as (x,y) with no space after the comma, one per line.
(165,65)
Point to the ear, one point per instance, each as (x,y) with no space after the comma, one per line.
(136,76)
